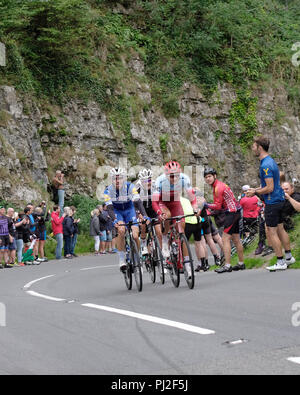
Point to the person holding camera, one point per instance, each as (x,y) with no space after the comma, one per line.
(41,219)
(58,184)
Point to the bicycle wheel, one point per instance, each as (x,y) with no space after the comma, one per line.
(188,274)
(159,260)
(128,276)
(150,267)
(137,267)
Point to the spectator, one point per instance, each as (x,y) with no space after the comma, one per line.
(289,209)
(273,196)
(103,218)
(57,228)
(41,220)
(295,203)
(68,231)
(12,246)
(95,229)
(250,209)
(58,184)
(76,231)
(5,238)
(109,228)
(22,223)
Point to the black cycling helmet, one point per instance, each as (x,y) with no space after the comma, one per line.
(209,170)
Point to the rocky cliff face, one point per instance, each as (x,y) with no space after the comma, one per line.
(36,139)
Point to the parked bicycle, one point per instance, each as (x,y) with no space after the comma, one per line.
(176,264)
(133,262)
(248,234)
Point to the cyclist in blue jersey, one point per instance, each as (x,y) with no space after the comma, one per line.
(122,201)
(273,196)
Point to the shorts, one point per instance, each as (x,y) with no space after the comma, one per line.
(108,236)
(150,212)
(274,214)
(193,229)
(174,207)
(4,242)
(12,246)
(213,229)
(42,236)
(126,215)
(232,223)
(103,236)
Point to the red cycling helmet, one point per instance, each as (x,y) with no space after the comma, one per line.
(172,167)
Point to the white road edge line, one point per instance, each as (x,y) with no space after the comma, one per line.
(294,359)
(156,320)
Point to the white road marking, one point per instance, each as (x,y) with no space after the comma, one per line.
(45,296)
(33,293)
(156,320)
(294,359)
(28,285)
(97,267)
(150,318)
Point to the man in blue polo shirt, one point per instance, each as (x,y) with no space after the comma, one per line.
(273,196)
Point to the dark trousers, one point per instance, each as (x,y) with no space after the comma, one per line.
(67,245)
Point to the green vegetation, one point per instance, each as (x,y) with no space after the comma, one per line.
(243,113)
(64,48)
(84,205)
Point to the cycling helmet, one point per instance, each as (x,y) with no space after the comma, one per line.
(145,174)
(209,170)
(172,167)
(117,172)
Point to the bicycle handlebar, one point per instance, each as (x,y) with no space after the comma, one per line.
(179,217)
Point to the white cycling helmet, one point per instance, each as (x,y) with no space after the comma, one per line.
(145,174)
(117,172)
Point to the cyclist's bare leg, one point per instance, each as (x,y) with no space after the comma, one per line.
(218,239)
(284,237)
(211,244)
(120,240)
(167,213)
(135,234)
(200,251)
(181,227)
(143,231)
(204,246)
(239,247)
(226,247)
(159,233)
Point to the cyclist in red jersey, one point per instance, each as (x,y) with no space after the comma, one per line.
(225,201)
(166,200)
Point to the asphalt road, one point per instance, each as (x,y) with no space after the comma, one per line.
(59,320)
